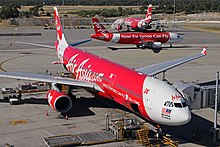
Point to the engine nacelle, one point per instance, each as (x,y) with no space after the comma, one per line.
(142,24)
(59,101)
(154,45)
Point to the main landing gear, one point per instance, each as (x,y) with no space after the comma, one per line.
(171,45)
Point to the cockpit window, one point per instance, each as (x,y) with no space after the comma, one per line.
(178,105)
(184,104)
(171,104)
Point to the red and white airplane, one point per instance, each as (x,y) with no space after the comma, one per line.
(137,24)
(137,89)
(151,40)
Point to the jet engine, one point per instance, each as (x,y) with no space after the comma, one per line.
(142,24)
(155,46)
(59,101)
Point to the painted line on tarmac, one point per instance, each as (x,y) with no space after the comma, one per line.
(1,64)
(31,54)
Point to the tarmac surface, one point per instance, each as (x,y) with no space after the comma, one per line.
(88,113)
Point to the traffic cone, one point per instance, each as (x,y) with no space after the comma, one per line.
(46,112)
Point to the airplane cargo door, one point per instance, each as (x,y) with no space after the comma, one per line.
(148,96)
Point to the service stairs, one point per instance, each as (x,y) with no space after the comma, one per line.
(143,136)
(80,139)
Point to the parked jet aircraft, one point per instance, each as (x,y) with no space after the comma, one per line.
(137,89)
(151,40)
(135,23)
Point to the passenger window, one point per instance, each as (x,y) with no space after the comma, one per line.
(178,105)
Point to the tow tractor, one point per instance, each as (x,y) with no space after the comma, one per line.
(12,95)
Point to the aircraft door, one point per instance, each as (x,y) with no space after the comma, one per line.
(112,79)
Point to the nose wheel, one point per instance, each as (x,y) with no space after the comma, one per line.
(160,132)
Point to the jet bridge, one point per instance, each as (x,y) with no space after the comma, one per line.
(198,95)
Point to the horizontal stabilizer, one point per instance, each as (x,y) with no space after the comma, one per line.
(34,44)
(80,42)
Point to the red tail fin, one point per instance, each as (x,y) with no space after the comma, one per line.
(99,28)
(59,29)
(149,13)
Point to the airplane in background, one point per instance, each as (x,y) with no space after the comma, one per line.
(138,90)
(151,40)
(136,24)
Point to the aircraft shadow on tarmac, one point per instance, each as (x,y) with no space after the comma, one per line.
(197,131)
(81,107)
(31,100)
(163,48)
(177,46)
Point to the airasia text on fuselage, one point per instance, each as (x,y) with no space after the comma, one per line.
(81,72)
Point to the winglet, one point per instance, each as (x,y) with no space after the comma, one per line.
(204,52)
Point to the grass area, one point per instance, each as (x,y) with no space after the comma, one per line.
(78,8)
(215,28)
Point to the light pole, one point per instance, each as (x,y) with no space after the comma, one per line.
(63,13)
(215,129)
(174,12)
(174,9)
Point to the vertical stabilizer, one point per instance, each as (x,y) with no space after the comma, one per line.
(148,16)
(98,27)
(60,35)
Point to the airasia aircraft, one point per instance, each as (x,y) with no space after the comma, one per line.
(151,40)
(138,90)
(137,24)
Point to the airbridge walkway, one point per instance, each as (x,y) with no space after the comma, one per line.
(199,95)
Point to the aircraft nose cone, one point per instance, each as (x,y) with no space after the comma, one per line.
(175,38)
(186,117)
(183,117)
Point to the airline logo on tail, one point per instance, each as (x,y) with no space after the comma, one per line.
(61,45)
(149,13)
(58,25)
(99,28)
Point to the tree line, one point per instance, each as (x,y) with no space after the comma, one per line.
(10,8)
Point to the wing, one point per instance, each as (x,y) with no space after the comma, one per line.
(53,47)
(34,44)
(80,42)
(162,67)
(50,79)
